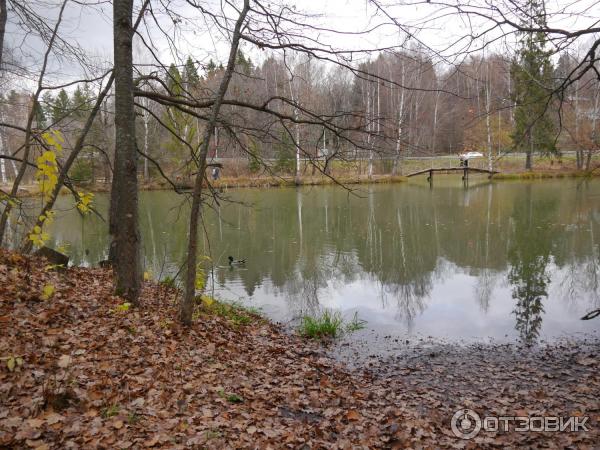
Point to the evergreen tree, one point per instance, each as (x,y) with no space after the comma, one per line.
(244,65)
(47,103)
(174,80)
(40,116)
(180,123)
(81,103)
(61,106)
(532,73)
(211,67)
(190,74)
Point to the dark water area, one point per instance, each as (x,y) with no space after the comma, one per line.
(505,261)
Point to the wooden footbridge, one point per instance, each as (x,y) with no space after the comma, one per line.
(464,170)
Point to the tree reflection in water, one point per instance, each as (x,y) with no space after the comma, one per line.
(390,250)
(529,256)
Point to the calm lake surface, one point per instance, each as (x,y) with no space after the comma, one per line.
(503,261)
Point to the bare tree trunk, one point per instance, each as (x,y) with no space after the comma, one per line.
(3,17)
(370,128)
(2,165)
(578,147)
(146,150)
(435,119)
(595,141)
(123,227)
(187,303)
(297,129)
(400,120)
(488,88)
(28,130)
(528,153)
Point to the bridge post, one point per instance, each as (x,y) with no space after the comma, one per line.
(430,177)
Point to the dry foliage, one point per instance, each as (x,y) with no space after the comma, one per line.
(95,374)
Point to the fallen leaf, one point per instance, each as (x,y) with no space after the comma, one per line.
(152,441)
(35,423)
(64,361)
(352,415)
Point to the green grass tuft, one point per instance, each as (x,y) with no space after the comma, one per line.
(110,411)
(329,324)
(230,397)
(168,281)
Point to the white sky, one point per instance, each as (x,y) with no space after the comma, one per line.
(91,28)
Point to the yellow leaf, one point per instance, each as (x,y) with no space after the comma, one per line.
(47,292)
(11,363)
(123,307)
(58,135)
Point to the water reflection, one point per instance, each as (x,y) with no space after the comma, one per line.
(516,259)
(529,256)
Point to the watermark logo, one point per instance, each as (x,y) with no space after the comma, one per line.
(466,423)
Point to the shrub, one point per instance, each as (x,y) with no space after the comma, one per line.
(81,172)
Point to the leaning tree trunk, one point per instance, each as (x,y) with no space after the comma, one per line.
(187,303)
(27,244)
(29,128)
(123,228)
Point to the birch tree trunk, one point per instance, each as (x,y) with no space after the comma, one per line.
(146,150)
(578,147)
(370,128)
(400,120)
(435,118)
(488,94)
(3,18)
(297,130)
(2,165)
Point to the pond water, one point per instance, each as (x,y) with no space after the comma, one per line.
(507,260)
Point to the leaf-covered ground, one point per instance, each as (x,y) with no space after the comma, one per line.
(88,374)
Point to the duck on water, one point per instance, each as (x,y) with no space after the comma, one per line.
(236,262)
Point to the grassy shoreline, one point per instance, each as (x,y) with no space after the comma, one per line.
(281,182)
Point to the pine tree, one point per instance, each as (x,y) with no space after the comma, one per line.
(61,106)
(180,123)
(174,80)
(210,67)
(531,72)
(47,104)
(244,65)
(81,103)
(190,74)
(40,117)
